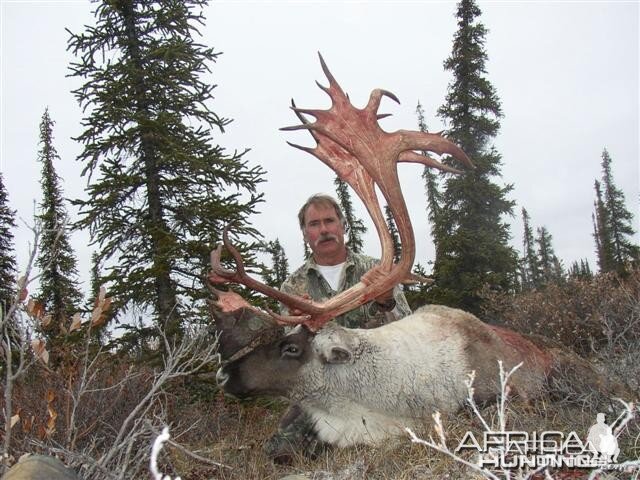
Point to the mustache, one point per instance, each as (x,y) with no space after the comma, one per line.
(325,236)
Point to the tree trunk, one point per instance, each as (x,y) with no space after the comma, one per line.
(157,228)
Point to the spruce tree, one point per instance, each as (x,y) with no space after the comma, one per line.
(473,250)
(95,282)
(160,190)
(279,271)
(531,264)
(601,232)
(432,187)
(619,219)
(8,268)
(549,265)
(59,292)
(355,225)
(395,235)
(585,269)
(580,270)
(273,275)
(416,293)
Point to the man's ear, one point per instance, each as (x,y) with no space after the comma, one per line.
(337,355)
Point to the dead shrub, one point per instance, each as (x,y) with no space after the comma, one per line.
(101,412)
(588,316)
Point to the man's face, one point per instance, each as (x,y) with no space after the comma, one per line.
(324,233)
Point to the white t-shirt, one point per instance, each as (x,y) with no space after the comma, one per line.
(332,274)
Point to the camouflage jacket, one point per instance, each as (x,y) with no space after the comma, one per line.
(308,280)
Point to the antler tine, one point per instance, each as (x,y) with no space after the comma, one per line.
(303,119)
(297,127)
(220,274)
(335,92)
(413,157)
(323,88)
(216,265)
(376,97)
(300,147)
(295,320)
(233,251)
(333,84)
(314,134)
(308,111)
(433,142)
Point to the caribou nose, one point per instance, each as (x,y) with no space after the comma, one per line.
(221,377)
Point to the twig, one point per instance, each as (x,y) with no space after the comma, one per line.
(446,451)
(8,333)
(502,421)
(155,450)
(190,453)
(628,414)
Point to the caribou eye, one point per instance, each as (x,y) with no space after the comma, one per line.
(290,350)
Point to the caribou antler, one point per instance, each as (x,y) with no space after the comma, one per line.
(351,171)
(351,142)
(357,131)
(219,274)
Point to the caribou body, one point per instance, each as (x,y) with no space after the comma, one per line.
(362,386)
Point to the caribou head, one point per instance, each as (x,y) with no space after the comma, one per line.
(351,142)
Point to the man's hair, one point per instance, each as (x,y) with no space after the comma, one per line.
(324,200)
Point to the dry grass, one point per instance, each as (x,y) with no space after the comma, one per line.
(238,444)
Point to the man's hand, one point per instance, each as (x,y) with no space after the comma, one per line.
(386,302)
(295,312)
(386,297)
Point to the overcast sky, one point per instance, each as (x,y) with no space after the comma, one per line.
(566,73)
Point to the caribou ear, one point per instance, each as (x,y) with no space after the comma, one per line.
(336,345)
(338,355)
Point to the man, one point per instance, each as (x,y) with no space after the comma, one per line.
(331,269)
